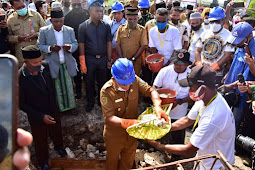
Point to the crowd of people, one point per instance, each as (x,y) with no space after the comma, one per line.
(60,44)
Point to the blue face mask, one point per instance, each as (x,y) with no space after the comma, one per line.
(161,26)
(206,21)
(22,12)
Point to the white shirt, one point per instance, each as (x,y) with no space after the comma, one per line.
(107,19)
(32,6)
(213,46)
(193,41)
(167,78)
(206,27)
(253,32)
(172,41)
(60,42)
(215,131)
(186,23)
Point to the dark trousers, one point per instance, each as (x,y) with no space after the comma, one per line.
(146,74)
(77,78)
(97,70)
(40,137)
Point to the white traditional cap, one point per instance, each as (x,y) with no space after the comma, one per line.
(195,15)
(56,5)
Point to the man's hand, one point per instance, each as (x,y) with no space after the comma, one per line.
(244,88)
(83,66)
(161,114)
(55,48)
(21,157)
(66,47)
(125,123)
(155,144)
(227,87)
(22,37)
(30,37)
(109,65)
(48,120)
(249,60)
(230,5)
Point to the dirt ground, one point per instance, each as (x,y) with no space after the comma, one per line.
(83,138)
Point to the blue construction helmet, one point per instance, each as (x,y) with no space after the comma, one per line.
(100,2)
(217,13)
(143,4)
(117,7)
(123,71)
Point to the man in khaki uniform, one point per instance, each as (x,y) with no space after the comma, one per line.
(132,40)
(119,101)
(24,25)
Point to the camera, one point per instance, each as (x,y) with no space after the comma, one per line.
(246,142)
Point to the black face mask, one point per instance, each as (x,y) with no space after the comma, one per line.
(175,21)
(67,4)
(34,68)
(195,28)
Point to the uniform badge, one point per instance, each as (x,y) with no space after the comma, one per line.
(180,55)
(213,48)
(104,100)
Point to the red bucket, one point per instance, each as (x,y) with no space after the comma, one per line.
(155,62)
(165,97)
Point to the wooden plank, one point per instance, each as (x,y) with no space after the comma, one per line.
(85,164)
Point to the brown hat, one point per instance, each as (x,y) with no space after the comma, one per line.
(31,52)
(200,75)
(181,57)
(132,11)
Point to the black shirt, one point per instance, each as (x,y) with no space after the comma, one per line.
(74,19)
(4,47)
(95,37)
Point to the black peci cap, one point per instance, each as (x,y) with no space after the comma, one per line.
(31,52)
(56,14)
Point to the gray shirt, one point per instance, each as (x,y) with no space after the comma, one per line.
(95,37)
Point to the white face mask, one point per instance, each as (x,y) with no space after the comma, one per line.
(215,27)
(121,89)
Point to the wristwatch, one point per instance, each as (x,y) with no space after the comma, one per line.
(133,58)
(180,101)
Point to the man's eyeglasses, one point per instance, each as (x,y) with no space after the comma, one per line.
(76,4)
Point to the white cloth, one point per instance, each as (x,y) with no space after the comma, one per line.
(253,32)
(172,41)
(215,131)
(214,46)
(186,23)
(193,41)
(107,19)
(167,78)
(32,6)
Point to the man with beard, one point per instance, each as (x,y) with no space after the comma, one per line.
(73,19)
(132,40)
(175,17)
(144,6)
(196,31)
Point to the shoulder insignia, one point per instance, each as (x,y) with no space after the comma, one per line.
(104,100)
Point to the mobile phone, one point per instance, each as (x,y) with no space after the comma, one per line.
(8,109)
(238,5)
